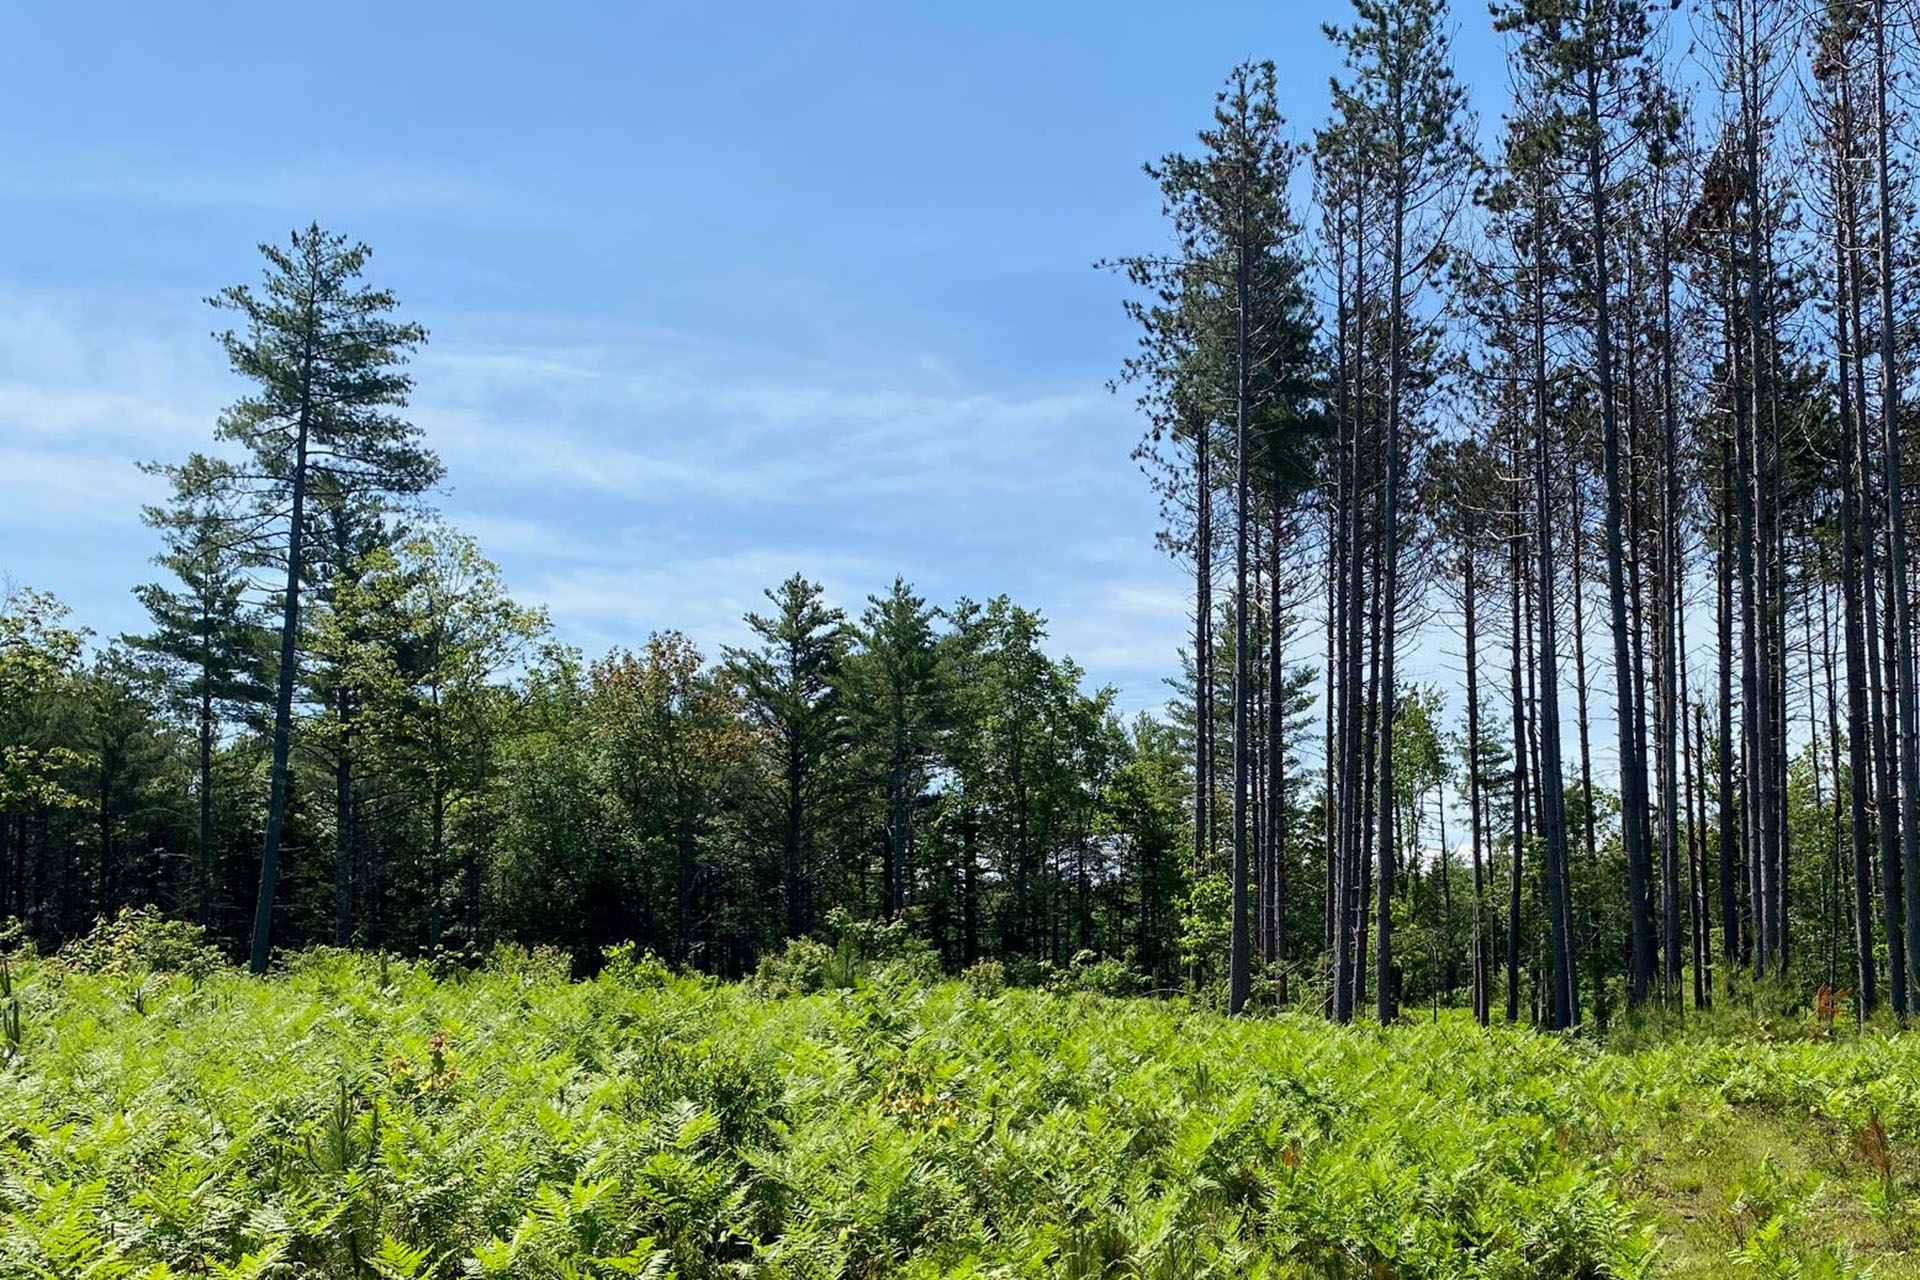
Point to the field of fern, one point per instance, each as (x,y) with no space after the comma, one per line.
(358,1117)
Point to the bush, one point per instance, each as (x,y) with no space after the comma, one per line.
(452,959)
(986,979)
(802,967)
(1026,971)
(629,966)
(888,951)
(532,964)
(865,943)
(15,941)
(1100,975)
(141,941)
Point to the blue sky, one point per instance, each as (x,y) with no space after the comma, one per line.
(717,293)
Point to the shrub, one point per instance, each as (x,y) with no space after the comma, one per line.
(1101,975)
(629,966)
(865,943)
(14,940)
(452,959)
(141,941)
(801,967)
(1026,971)
(889,951)
(530,964)
(986,979)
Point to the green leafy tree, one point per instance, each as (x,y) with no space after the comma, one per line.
(128,748)
(39,660)
(1144,810)
(443,710)
(675,742)
(353,640)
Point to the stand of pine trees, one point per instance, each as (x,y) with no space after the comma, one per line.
(1601,422)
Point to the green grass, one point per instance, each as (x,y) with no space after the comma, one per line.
(355,1118)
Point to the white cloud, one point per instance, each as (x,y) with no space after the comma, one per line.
(633,480)
(663,417)
(44,491)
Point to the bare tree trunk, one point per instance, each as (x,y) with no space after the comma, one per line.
(204,863)
(1900,605)
(1852,575)
(1633,790)
(1724,560)
(1275,889)
(1672,608)
(1563,999)
(1202,645)
(283,692)
(1353,694)
(1517,632)
(1239,969)
(1473,790)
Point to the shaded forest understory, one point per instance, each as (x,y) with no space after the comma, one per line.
(849,1113)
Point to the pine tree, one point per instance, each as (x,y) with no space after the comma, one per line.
(206,627)
(326,359)
(791,686)
(895,681)
(1408,114)
(1588,59)
(1238,350)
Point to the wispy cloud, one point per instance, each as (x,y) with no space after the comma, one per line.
(44,491)
(663,416)
(637,480)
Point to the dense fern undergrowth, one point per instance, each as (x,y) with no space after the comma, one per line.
(163,1115)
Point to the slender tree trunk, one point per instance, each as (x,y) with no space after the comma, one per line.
(1350,898)
(1703,945)
(1517,632)
(1854,611)
(343,820)
(1672,608)
(283,693)
(204,916)
(1900,604)
(1729,906)
(1562,1000)
(1757,558)
(1480,1009)
(1386,1005)
(1275,892)
(1202,646)
(1588,820)
(1239,968)
(1330,803)
(1837,839)
(1633,788)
